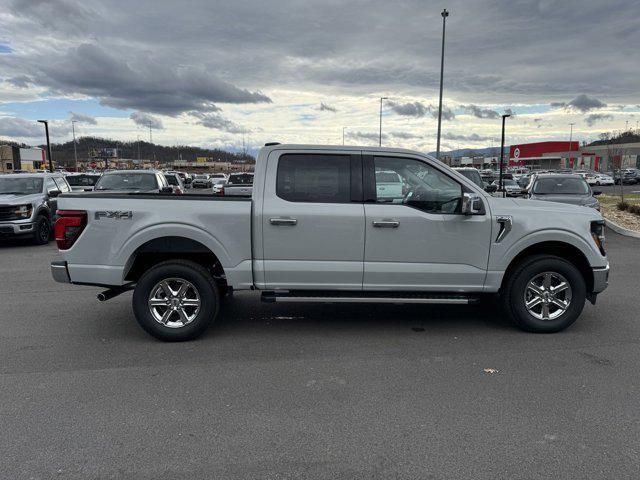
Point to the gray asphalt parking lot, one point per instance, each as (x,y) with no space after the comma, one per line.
(333,391)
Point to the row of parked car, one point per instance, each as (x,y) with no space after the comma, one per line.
(555,186)
(28,201)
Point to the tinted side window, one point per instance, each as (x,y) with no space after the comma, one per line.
(420,185)
(314,178)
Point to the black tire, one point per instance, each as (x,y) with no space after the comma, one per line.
(193,273)
(42,231)
(513,293)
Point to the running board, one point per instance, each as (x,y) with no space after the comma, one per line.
(302,296)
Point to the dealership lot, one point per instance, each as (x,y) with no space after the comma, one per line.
(357,391)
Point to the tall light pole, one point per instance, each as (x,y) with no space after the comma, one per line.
(380,138)
(504,117)
(444,14)
(46,131)
(75,150)
(570,140)
(343,129)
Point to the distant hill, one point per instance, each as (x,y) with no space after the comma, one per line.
(63,152)
(474,152)
(624,137)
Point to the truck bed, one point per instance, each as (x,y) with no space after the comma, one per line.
(118,224)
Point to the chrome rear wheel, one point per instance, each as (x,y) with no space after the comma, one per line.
(174,302)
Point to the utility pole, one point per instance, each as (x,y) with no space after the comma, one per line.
(380,138)
(444,14)
(504,117)
(138,143)
(570,139)
(75,151)
(150,136)
(46,131)
(343,128)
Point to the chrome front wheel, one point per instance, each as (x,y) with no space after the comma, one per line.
(547,296)
(174,302)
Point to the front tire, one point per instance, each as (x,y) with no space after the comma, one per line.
(176,300)
(42,230)
(544,294)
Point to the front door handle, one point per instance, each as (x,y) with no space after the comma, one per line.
(283,221)
(386,223)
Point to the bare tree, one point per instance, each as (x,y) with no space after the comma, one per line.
(615,154)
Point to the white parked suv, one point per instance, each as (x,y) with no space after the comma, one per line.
(317,230)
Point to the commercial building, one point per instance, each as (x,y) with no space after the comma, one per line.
(546,155)
(561,155)
(22,159)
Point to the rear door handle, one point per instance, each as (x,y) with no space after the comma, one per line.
(386,223)
(283,221)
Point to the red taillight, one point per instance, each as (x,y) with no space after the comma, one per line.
(69,226)
(221,191)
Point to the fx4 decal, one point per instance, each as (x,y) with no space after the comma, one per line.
(116,214)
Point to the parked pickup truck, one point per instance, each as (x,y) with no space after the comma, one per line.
(314,230)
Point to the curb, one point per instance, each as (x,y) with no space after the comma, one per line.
(621,230)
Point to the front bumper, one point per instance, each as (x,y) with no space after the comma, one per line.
(16,228)
(59,272)
(600,279)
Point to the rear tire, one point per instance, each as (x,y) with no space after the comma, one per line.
(166,313)
(524,299)
(42,230)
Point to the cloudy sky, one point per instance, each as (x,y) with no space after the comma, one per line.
(208,72)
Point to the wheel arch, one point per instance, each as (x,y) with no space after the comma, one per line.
(561,249)
(161,249)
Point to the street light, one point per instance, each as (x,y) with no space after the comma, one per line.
(380,139)
(444,14)
(75,151)
(46,131)
(504,117)
(343,129)
(570,140)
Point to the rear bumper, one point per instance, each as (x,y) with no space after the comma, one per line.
(600,279)
(59,272)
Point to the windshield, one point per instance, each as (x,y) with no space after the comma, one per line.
(82,180)
(474,176)
(220,181)
(561,186)
(127,181)
(201,177)
(387,177)
(20,185)
(241,179)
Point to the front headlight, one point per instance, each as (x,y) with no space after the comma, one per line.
(23,211)
(597,232)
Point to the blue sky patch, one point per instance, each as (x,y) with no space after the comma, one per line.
(59,108)
(4,48)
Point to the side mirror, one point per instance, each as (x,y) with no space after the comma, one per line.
(471,204)
(597,192)
(54,193)
(166,190)
(491,188)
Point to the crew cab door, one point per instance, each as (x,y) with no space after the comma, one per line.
(313,221)
(419,240)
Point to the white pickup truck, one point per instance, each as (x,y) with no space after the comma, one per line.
(315,230)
